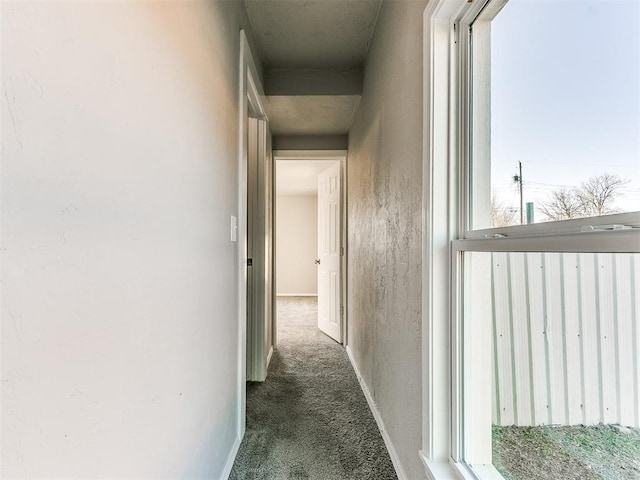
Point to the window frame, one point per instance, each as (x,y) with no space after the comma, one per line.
(474,68)
(448,143)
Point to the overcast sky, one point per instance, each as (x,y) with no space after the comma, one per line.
(565,95)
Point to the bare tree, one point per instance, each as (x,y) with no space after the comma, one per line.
(501,215)
(562,205)
(595,196)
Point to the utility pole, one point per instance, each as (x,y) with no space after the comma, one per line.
(518,179)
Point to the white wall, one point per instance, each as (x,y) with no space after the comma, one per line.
(119,173)
(296,244)
(385,219)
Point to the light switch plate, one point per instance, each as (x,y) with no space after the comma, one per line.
(234,228)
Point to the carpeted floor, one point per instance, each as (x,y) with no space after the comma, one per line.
(310,419)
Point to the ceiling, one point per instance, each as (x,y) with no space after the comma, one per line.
(299,177)
(312,33)
(326,38)
(311,114)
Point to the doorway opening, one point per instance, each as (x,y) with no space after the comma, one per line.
(310,234)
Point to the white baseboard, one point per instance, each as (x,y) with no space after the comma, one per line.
(376,414)
(297,295)
(231,458)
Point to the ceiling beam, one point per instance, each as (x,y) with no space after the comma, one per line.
(308,82)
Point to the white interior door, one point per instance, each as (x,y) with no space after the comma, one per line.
(259,249)
(329,250)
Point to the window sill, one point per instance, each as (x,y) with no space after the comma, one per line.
(458,471)
(477,472)
(439,470)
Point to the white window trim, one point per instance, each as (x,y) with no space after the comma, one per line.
(446,235)
(578,225)
(440,227)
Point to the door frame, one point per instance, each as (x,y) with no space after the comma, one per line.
(250,103)
(331,155)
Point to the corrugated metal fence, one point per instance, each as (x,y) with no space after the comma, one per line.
(566,338)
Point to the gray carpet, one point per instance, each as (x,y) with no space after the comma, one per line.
(310,419)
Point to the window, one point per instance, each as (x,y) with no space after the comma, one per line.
(554,130)
(553,90)
(527,102)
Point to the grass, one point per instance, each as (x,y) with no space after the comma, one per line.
(599,452)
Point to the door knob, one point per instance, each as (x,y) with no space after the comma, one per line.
(317,261)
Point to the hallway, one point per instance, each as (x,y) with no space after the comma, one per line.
(124,236)
(310,419)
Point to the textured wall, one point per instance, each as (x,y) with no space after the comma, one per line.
(384,209)
(119,303)
(296,244)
